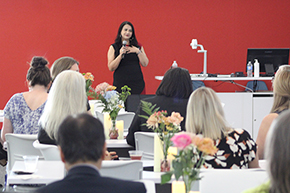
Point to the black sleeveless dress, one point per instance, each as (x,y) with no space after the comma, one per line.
(128,72)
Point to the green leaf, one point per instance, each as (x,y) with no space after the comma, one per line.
(148,108)
(144,116)
(177,169)
(166,177)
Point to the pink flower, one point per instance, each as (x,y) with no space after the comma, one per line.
(175,118)
(101,88)
(181,140)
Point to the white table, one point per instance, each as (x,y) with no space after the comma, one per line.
(117,143)
(49,171)
(46,172)
(223,78)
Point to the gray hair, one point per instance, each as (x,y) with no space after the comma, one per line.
(66,97)
(277,153)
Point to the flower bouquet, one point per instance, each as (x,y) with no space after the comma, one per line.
(112,102)
(165,126)
(89,77)
(187,163)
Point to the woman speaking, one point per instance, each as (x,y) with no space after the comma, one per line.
(125,57)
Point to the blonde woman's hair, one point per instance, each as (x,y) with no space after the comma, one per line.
(277,153)
(61,64)
(281,89)
(205,115)
(66,97)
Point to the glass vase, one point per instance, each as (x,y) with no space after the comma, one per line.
(188,183)
(113,132)
(165,165)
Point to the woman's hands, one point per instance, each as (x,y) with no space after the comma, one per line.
(111,155)
(128,49)
(113,62)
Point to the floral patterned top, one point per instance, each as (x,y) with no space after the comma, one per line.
(235,151)
(23,119)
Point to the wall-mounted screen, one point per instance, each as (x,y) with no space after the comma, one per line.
(269,58)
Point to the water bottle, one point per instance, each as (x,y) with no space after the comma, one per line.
(256,68)
(174,65)
(250,69)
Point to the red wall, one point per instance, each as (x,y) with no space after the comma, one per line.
(84,29)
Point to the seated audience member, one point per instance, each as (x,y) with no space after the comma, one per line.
(82,147)
(62,64)
(277,154)
(281,90)
(67,96)
(171,95)
(23,110)
(205,116)
(65,63)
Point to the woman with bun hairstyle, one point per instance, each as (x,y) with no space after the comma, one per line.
(23,110)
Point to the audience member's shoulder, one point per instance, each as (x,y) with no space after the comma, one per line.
(127,186)
(17,96)
(263,188)
(240,134)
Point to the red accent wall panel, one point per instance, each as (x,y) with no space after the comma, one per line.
(84,29)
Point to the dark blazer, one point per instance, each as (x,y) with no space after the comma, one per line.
(165,103)
(86,179)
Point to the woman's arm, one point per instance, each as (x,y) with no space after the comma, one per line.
(143,58)
(254,163)
(6,128)
(113,62)
(263,130)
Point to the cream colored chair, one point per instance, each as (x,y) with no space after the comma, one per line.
(49,152)
(231,180)
(126,170)
(19,145)
(127,117)
(263,164)
(100,116)
(145,141)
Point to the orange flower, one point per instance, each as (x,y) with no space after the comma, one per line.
(89,76)
(206,145)
(152,121)
(196,139)
(110,87)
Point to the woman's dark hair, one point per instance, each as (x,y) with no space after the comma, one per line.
(38,73)
(133,39)
(176,83)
